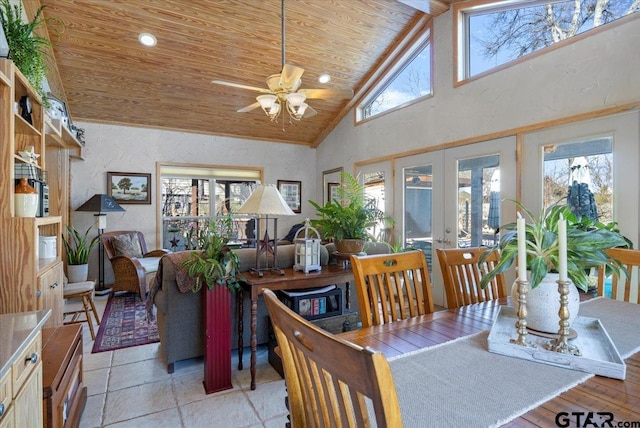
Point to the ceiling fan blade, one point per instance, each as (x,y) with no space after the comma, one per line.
(309,112)
(326,94)
(290,76)
(238,85)
(249,108)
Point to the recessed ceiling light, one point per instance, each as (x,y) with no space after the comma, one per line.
(324,78)
(147,39)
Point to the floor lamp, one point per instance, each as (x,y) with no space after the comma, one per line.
(266,201)
(101,205)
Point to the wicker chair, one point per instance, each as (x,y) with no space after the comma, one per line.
(133,268)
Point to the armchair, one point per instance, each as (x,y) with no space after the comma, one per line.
(133,266)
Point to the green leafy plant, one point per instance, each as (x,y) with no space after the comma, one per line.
(349,216)
(587,241)
(78,246)
(26,48)
(216,264)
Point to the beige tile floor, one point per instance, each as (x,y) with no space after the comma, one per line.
(131,388)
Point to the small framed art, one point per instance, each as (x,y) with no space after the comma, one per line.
(332,191)
(129,187)
(291,191)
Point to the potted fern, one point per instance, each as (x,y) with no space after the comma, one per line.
(26,48)
(347,219)
(587,240)
(215,266)
(77,248)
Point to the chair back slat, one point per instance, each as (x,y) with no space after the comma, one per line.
(462,276)
(392,287)
(630,284)
(331,382)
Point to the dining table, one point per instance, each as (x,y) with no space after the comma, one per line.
(590,402)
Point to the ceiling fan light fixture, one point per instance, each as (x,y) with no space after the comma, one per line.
(266,101)
(324,78)
(296,99)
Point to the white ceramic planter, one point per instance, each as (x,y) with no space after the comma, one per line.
(77,273)
(543,303)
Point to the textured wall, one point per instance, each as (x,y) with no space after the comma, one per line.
(129,149)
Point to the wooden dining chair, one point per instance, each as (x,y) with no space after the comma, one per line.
(630,259)
(330,381)
(392,287)
(462,275)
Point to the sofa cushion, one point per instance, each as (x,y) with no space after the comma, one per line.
(127,245)
(149,264)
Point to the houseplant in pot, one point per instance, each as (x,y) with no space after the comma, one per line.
(78,247)
(215,266)
(26,48)
(587,240)
(347,218)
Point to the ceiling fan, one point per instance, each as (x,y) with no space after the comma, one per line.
(283,90)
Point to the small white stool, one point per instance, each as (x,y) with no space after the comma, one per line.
(82,290)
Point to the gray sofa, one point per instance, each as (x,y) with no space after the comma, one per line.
(179,315)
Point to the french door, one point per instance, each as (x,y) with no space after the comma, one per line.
(454,198)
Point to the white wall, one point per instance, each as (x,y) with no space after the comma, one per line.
(595,73)
(130,149)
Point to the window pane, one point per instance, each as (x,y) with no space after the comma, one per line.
(479,201)
(413,81)
(581,175)
(374,190)
(418,209)
(187,209)
(497,37)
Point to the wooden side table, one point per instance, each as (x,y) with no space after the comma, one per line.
(64,394)
(291,280)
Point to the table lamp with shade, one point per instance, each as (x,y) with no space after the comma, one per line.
(266,201)
(101,205)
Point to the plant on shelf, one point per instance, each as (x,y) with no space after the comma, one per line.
(215,263)
(78,247)
(26,49)
(587,240)
(350,216)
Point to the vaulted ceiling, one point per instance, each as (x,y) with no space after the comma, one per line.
(107,76)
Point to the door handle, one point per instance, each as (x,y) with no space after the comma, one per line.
(443,241)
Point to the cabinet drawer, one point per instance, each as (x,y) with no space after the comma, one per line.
(5,395)
(23,366)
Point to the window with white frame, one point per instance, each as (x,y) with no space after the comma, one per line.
(408,80)
(192,197)
(494,33)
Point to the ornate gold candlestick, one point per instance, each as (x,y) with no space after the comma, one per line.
(521,323)
(561,344)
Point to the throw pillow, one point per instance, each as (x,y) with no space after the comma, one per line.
(292,232)
(127,245)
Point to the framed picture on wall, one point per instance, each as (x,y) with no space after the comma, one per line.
(291,191)
(332,191)
(129,187)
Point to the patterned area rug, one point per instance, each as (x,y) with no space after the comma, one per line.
(124,324)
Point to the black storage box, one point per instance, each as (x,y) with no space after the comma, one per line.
(316,305)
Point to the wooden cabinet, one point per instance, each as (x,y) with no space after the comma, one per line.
(50,293)
(24,383)
(29,282)
(64,393)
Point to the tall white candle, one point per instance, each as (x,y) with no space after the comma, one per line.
(562,248)
(522,248)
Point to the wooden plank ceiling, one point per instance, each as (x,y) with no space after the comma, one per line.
(107,76)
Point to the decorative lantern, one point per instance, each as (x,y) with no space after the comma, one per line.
(307,256)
